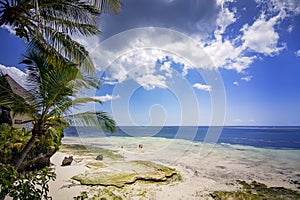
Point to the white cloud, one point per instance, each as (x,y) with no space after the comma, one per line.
(145,56)
(106,97)
(221,51)
(225,18)
(140,66)
(225,54)
(9,28)
(150,81)
(240,63)
(290,28)
(285,8)
(167,68)
(261,36)
(247,78)
(16,74)
(235,83)
(222,2)
(132,56)
(202,87)
(297,53)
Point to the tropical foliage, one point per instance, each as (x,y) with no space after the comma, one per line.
(11,143)
(58,67)
(49,24)
(52,90)
(26,186)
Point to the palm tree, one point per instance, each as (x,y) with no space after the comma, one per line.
(52,92)
(49,24)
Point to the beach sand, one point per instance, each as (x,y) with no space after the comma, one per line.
(204,167)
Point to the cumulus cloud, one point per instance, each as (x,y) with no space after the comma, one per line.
(235,83)
(284,8)
(200,86)
(150,81)
(261,36)
(9,28)
(15,73)
(146,56)
(139,66)
(225,54)
(247,78)
(297,53)
(106,97)
(225,18)
(239,52)
(222,2)
(166,66)
(131,56)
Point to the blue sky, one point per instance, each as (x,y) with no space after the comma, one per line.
(251,49)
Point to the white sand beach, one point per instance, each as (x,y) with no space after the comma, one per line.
(204,168)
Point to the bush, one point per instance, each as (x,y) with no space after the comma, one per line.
(47,145)
(12,142)
(25,186)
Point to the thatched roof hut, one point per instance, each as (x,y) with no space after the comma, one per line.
(16,87)
(5,113)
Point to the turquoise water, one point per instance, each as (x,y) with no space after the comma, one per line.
(262,137)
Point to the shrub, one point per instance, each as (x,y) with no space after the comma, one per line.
(25,186)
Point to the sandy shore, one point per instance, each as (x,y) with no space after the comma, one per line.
(203,169)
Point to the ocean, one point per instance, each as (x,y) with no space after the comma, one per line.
(287,137)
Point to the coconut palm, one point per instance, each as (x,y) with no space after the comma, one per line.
(52,93)
(49,24)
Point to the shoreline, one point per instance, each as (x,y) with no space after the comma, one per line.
(219,170)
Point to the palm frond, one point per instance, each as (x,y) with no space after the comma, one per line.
(57,44)
(71,27)
(110,6)
(80,101)
(93,119)
(61,109)
(86,81)
(57,122)
(70,11)
(57,85)
(45,49)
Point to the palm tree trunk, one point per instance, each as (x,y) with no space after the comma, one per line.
(25,151)
(42,159)
(18,163)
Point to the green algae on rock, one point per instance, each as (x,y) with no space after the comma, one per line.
(107,195)
(95,164)
(121,173)
(257,191)
(113,193)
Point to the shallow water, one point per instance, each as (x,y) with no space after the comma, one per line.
(173,150)
(264,137)
(205,167)
(270,155)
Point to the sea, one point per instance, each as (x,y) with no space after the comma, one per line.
(270,137)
